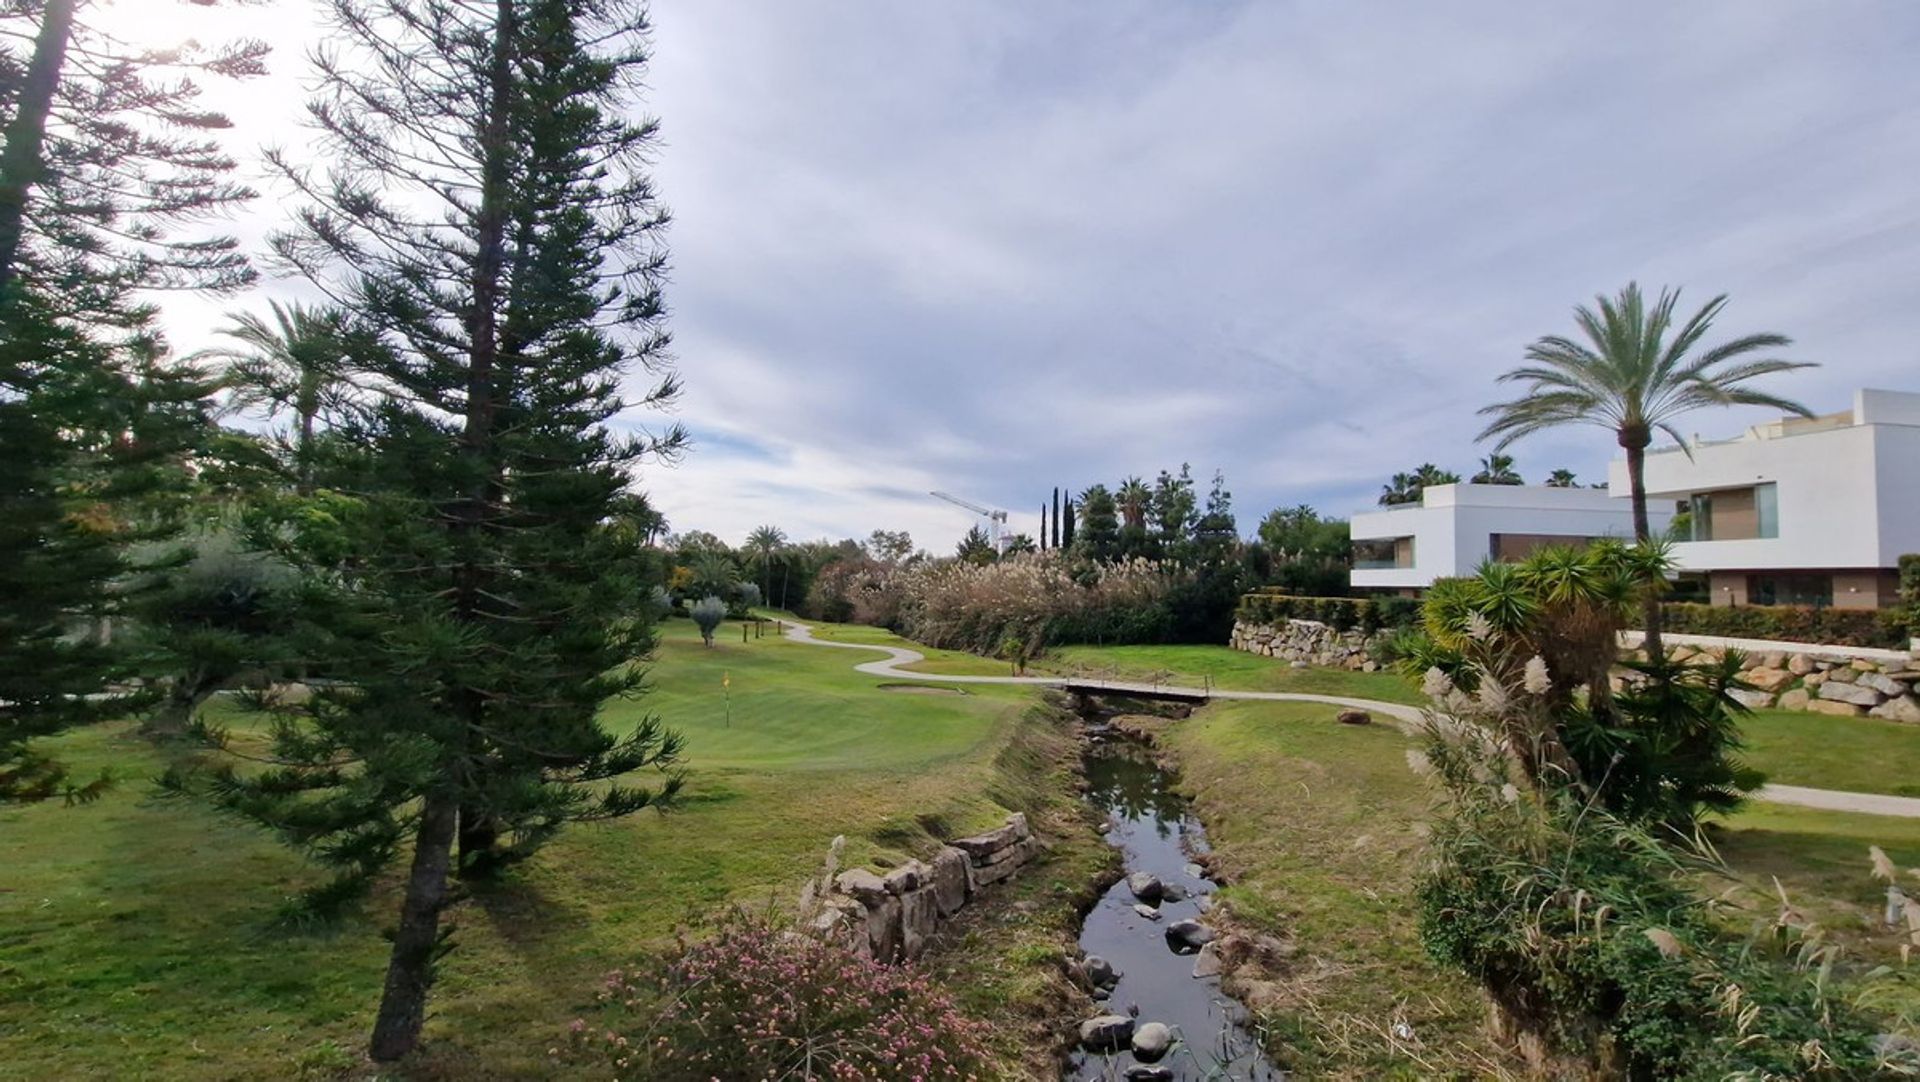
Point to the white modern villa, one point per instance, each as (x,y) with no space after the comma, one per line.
(1456,528)
(1813,511)
(1802,511)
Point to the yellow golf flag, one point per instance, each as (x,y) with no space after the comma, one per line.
(726,679)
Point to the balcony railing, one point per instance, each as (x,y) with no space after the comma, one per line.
(1380,565)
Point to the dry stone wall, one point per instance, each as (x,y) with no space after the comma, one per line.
(1826,681)
(1838,680)
(891,917)
(1307,641)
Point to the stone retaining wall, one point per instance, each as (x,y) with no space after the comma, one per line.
(1308,641)
(890,917)
(1837,680)
(1826,681)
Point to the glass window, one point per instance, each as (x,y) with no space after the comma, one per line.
(1766,501)
(1702,516)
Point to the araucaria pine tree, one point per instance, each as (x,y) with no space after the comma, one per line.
(103,155)
(484,215)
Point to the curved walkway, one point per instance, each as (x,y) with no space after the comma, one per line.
(1407,717)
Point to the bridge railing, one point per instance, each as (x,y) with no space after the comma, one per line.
(1159,679)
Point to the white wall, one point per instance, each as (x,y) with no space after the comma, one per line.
(1453,526)
(1833,500)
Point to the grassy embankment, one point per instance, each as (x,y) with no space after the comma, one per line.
(136,936)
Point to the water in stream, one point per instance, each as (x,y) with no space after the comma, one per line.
(1153,829)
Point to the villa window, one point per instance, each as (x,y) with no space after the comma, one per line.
(1815,591)
(1735,514)
(1383,554)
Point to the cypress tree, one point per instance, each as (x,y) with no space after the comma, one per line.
(1056,517)
(1043,527)
(1067,527)
(486,220)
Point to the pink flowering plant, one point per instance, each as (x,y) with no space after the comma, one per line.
(760,1001)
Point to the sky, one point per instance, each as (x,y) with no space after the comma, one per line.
(995,247)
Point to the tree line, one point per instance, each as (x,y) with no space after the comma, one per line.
(443,553)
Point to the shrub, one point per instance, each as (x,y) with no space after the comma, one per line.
(762,1002)
(1585,933)
(1339,613)
(707,613)
(1881,628)
(1910,592)
(1034,599)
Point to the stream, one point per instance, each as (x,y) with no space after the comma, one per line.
(1156,834)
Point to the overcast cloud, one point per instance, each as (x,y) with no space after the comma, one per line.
(995,247)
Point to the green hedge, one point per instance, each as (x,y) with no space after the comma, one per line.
(1883,628)
(1910,591)
(1339,613)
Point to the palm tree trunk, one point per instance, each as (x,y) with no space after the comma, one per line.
(1643,531)
(403,1004)
(23,160)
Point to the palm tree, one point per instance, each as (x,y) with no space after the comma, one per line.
(1429,475)
(289,364)
(1631,376)
(1132,500)
(766,542)
(1560,478)
(1497,469)
(1404,488)
(1019,545)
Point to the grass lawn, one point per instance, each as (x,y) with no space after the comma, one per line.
(1317,828)
(1863,755)
(136,935)
(1187,664)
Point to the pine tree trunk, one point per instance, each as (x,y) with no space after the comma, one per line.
(403,1003)
(478,828)
(22,161)
(1636,447)
(479,833)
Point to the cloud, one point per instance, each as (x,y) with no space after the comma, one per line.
(993,248)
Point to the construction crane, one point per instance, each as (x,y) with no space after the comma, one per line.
(995,519)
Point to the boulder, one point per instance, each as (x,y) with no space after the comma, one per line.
(1851,693)
(883,928)
(1146,887)
(1795,700)
(1813,679)
(1770,679)
(1100,972)
(1885,685)
(1776,659)
(1141,1072)
(919,917)
(861,884)
(1146,911)
(1905,708)
(906,878)
(1106,1033)
(981,846)
(1844,675)
(950,879)
(1751,699)
(1188,936)
(1207,962)
(1861,664)
(1003,864)
(1354,717)
(1799,664)
(1172,892)
(1151,1042)
(1842,710)
(1298,665)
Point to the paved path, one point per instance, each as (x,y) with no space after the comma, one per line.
(1408,718)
